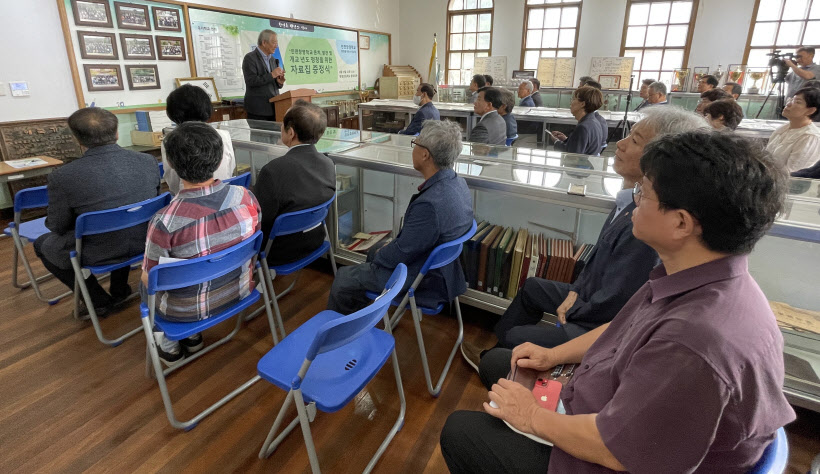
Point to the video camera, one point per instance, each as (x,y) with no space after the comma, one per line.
(778,67)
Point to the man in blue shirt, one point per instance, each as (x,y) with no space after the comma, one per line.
(505,111)
(427,111)
(525,90)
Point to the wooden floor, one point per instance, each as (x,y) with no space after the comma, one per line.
(70,404)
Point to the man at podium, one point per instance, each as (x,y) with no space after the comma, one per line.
(263,77)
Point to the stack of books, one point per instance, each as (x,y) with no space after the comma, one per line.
(497,259)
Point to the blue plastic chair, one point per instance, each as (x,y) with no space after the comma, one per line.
(243,180)
(24,232)
(161,170)
(102,222)
(775,456)
(182,274)
(512,140)
(327,361)
(441,256)
(291,223)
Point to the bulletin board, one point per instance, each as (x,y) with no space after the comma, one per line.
(146,75)
(613,67)
(314,57)
(556,72)
(374,53)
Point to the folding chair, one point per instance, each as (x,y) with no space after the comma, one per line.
(102,222)
(185,273)
(24,232)
(327,361)
(511,140)
(775,457)
(243,180)
(439,257)
(291,223)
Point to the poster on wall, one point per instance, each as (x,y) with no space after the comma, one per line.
(313,57)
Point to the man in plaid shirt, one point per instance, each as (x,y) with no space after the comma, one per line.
(205,217)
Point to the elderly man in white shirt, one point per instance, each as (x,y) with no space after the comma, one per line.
(796,145)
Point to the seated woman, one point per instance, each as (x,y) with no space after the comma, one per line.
(796,145)
(505,111)
(712,95)
(587,138)
(191,104)
(723,114)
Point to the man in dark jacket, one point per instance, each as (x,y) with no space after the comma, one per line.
(301,179)
(440,212)
(105,177)
(427,111)
(263,77)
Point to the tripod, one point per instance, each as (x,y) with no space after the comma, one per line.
(780,100)
(623,124)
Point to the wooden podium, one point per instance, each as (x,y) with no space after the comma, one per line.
(284,101)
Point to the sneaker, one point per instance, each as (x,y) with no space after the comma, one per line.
(101,311)
(170,352)
(471,354)
(193,344)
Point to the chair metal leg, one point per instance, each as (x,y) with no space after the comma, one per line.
(33,282)
(435,390)
(399,312)
(270,275)
(397,426)
(267,297)
(80,281)
(304,421)
(270,444)
(330,250)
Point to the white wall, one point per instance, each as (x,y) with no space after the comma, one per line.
(32,47)
(720,32)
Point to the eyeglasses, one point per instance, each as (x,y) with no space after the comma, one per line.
(413,143)
(637,195)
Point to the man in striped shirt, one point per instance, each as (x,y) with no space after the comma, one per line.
(205,217)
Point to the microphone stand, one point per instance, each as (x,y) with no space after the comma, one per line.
(623,124)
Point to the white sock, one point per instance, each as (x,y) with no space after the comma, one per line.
(172,347)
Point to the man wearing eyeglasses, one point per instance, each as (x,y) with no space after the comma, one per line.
(802,69)
(688,376)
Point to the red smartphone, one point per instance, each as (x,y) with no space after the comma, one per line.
(547,393)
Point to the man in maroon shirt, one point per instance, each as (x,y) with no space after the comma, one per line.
(688,376)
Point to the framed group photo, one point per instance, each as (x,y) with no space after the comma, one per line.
(142,77)
(97,45)
(103,77)
(166,19)
(137,46)
(171,47)
(131,16)
(92,13)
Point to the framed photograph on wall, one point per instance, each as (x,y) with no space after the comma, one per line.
(142,77)
(364,41)
(103,77)
(131,16)
(522,74)
(166,19)
(137,46)
(207,84)
(171,47)
(92,13)
(97,45)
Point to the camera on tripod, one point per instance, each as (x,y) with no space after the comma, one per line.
(778,67)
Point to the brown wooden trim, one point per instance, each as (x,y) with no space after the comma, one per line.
(688,46)
(265,16)
(477,11)
(72,60)
(626,27)
(189,41)
(528,8)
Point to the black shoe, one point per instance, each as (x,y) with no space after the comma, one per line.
(193,344)
(170,359)
(121,294)
(101,311)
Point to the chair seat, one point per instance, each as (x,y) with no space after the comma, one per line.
(334,377)
(176,331)
(424,309)
(101,269)
(289,268)
(30,230)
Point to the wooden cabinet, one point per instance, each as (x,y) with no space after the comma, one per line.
(332,112)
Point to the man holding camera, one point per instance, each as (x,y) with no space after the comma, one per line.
(802,69)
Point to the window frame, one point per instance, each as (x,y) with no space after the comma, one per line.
(686,47)
(528,8)
(753,23)
(447,51)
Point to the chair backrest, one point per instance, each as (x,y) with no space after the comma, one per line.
(161,169)
(123,217)
(511,140)
(446,252)
(31,198)
(297,221)
(775,456)
(189,272)
(243,180)
(336,333)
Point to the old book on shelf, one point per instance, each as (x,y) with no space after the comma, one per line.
(499,260)
(506,266)
(517,262)
(486,243)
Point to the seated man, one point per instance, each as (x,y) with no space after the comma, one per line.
(440,212)
(710,96)
(505,111)
(301,179)
(588,137)
(478,82)
(594,84)
(205,217)
(488,79)
(619,265)
(656,94)
(723,114)
(582,81)
(491,128)
(427,111)
(105,177)
(644,93)
(707,83)
(733,88)
(536,96)
(525,91)
(688,377)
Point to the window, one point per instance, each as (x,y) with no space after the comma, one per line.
(658,35)
(782,24)
(550,30)
(469,36)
